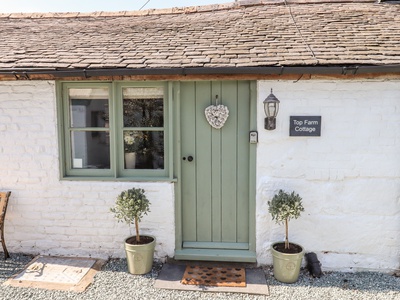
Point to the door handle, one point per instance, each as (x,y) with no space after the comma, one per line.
(189,158)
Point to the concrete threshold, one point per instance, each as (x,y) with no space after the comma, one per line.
(171,275)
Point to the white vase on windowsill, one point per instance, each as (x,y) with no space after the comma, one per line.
(130,160)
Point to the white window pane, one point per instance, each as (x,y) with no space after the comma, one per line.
(90,150)
(89,107)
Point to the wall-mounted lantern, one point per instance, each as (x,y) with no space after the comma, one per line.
(271,108)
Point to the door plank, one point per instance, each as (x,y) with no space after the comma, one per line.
(216,171)
(243,164)
(189,211)
(229,163)
(202,161)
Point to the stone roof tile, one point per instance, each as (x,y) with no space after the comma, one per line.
(241,34)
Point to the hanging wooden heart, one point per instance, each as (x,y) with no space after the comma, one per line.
(217,115)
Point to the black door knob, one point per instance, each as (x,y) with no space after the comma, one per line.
(190,158)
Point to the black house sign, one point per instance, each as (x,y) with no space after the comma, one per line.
(305,125)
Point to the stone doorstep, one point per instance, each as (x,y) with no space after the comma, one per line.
(171,275)
(48,277)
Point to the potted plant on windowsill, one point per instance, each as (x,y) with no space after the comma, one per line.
(130,207)
(131,147)
(287,257)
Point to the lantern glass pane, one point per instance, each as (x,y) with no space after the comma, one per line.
(271,110)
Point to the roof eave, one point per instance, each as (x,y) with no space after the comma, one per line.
(269,70)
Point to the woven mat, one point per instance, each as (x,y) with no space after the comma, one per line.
(214,276)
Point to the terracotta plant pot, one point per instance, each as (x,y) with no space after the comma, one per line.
(287,265)
(140,257)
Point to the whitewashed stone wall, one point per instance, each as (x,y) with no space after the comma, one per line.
(349,177)
(49,216)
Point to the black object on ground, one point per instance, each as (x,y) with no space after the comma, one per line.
(313,264)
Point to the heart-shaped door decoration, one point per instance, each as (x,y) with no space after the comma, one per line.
(217,115)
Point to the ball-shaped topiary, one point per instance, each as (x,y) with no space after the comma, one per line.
(284,207)
(130,207)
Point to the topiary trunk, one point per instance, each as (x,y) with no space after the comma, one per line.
(137,230)
(287,234)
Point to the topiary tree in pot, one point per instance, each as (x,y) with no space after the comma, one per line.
(131,205)
(287,256)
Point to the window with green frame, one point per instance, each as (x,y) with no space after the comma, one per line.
(114,130)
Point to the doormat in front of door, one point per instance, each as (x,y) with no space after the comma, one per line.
(57,273)
(214,276)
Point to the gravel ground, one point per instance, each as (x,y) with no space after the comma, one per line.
(113,282)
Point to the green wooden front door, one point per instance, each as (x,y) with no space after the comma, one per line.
(215,172)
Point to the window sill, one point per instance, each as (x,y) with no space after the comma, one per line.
(119,179)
